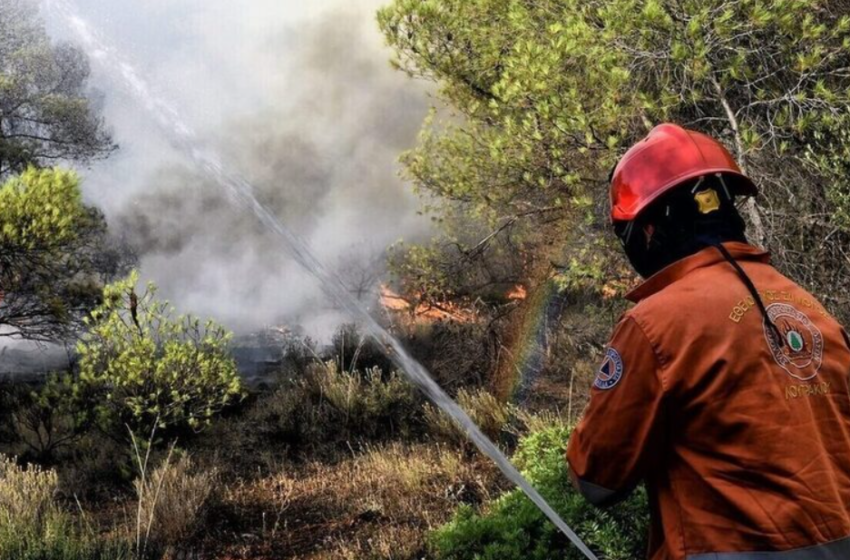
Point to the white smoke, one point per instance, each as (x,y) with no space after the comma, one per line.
(302,101)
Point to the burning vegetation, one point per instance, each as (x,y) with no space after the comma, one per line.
(416,311)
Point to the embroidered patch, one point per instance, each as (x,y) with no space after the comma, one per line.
(610,371)
(801,355)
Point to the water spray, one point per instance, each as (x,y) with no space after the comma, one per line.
(184,138)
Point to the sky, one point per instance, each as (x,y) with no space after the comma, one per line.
(298,97)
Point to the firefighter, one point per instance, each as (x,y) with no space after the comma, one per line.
(725,388)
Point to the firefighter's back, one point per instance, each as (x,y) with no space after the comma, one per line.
(758,427)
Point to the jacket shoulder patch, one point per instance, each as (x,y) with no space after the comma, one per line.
(611,370)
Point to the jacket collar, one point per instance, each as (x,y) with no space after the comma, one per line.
(681,268)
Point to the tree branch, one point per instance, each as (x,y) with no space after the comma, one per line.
(752,208)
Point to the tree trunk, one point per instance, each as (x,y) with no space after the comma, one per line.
(751,208)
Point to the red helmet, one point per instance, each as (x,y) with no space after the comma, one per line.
(667,157)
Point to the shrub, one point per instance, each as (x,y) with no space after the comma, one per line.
(512,527)
(50,418)
(368,401)
(286,417)
(13,397)
(329,405)
(320,415)
(144,367)
(456,354)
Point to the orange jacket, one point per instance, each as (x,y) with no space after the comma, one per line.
(744,443)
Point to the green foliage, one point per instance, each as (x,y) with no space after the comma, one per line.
(48,419)
(142,366)
(832,158)
(512,527)
(54,254)
(545,96)
(368,401)
(41,210)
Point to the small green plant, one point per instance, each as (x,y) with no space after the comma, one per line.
(33,527)
(144,367)
(371,402)
(512,528)
(50,419)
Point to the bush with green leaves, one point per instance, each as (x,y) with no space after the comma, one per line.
(545,96)
(55,255)
(47,420)
(513,528)
(145,367)
(359,396)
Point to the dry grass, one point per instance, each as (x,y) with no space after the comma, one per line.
(488,412)
(390,543)
(34,527)
(399,478)
(378,503)
(26,494)
(172,503)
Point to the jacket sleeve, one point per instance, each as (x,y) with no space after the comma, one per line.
(615,443)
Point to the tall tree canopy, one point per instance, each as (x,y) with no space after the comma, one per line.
(545,96)
(55,256)
(45,115)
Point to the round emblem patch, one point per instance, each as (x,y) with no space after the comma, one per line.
(610,371)
(802,354)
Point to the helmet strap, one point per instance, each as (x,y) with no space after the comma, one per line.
(697,185)
(627,234)
(725,187)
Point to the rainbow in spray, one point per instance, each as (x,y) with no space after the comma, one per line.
(532,347)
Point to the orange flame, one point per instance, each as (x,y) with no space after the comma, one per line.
(519,292)
(425,312)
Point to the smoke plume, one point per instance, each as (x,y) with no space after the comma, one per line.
(315,118)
